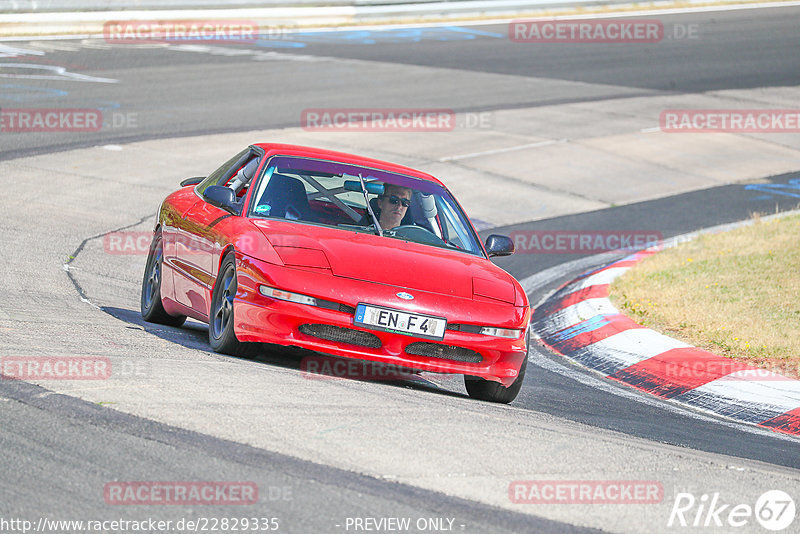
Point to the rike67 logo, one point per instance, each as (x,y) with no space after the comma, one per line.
(774,510)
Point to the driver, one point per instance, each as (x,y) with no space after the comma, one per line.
(393,205)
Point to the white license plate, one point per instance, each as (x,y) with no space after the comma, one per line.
(400,322)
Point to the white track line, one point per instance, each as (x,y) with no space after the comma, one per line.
(503,150)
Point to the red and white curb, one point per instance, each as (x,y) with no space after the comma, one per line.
(580,322)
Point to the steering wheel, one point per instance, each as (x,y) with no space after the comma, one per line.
(416,233)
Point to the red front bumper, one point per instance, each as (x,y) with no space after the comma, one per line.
(267,320)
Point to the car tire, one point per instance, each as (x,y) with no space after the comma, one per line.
(220,321)
(491,391)
(150,303)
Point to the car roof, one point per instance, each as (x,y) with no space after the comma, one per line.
(272,149)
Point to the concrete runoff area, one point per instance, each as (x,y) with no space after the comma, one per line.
(571,172)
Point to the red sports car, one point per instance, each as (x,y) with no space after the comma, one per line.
(340,254)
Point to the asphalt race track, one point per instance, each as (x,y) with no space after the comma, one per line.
(549,137)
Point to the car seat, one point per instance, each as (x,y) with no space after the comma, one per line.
(284,197)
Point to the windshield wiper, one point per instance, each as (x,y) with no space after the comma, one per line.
(369,208)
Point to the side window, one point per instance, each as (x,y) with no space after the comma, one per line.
(451,231)
(222,174)
(283,196)
(241,179)
(455,228)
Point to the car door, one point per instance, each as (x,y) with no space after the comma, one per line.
(197,241)
(198,246)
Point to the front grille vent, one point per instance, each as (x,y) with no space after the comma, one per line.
(341,335)
(445,352)
(337,306)
(470,328)
(347,309)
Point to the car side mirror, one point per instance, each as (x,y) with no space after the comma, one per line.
(499,245)
(221,197)
(192,181)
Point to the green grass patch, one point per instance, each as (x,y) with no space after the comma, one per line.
(736,294)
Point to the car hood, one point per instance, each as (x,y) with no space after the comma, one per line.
(389,261)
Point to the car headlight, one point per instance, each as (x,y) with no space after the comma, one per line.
(280,294)
(510,333)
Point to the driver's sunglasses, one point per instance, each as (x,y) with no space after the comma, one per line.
(394,199)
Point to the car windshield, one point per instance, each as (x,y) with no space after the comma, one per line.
(330,193)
